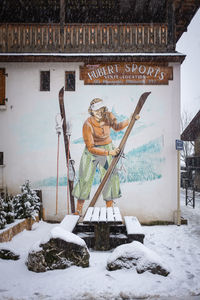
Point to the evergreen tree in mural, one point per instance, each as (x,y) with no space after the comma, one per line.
(2,214)
(9,209)
(26,204)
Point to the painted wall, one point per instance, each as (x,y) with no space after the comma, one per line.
(28,138)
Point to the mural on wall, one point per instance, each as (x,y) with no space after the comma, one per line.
(140,164)
(119,84)
(98,153)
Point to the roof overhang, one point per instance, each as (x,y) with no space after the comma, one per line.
(89,57)
(192,131)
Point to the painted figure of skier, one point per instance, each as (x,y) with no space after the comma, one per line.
(98,153)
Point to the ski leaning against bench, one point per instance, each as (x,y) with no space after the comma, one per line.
(99,153)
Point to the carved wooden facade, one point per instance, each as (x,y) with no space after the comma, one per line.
(97,26)
(83,38)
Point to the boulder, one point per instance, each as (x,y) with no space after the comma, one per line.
(136,256)
(60,250)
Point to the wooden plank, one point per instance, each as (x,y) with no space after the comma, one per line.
(117,215)
(110,215)
(95,216)
(69,222)
(133,226)
(88,215)
(102,217)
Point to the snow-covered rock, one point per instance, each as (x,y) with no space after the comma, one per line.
(59,250)
(136,255)
(8,254)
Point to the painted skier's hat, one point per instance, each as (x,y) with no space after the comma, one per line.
(97,105)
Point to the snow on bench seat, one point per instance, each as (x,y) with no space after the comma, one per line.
(95,215)
(134,229)
(103,215)
(133,226)
(110,215)
(117,214)
(88,215)
(69,222)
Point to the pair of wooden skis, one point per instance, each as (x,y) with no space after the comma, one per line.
(114,160)
(70,181)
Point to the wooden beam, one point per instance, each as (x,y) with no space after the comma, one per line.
(171,25)
(62,12)
(62,23)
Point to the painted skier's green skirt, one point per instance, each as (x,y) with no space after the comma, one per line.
(88,165)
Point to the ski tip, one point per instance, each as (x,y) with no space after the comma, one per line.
(146,94)
(61,91)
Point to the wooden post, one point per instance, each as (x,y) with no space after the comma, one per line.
(171,26)
(178,189)
(102,237)
(62,23)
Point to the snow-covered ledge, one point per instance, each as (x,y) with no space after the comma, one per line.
(12,229)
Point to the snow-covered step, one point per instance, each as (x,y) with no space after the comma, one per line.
(134,229)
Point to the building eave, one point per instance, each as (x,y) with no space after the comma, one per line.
(191,132)
(89,57)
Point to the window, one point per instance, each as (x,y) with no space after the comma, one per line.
(1,158)
(44,80)
(70,82)
(2,87)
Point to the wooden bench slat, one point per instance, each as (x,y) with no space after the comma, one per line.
(117,214)
(110,215)
(95,216)
(133,226)
(102,217)
(69,222)
(88,215)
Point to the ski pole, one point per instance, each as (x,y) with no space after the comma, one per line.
(68,134)
(58,131)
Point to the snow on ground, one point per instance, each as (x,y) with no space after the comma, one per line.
(179,246)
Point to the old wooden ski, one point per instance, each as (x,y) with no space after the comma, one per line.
(70,181)
(121,147)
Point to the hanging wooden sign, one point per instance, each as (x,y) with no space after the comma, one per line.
(126,73)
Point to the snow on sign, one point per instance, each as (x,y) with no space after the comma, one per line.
(179,145)
(126,73)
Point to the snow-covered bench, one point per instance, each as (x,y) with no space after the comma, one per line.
(134,229)
(69,222)
(102,218)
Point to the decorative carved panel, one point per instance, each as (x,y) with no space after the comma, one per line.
(82,38)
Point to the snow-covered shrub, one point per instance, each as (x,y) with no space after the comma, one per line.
(9,209)
(26,204)
(2,214)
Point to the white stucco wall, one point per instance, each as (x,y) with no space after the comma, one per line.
(29,141)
